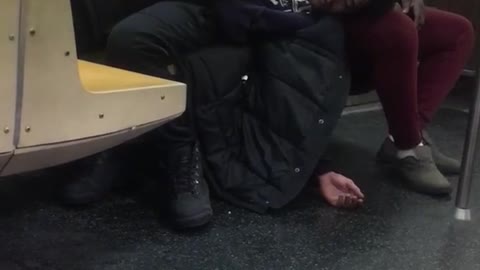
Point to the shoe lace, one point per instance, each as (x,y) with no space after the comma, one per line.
(187,174)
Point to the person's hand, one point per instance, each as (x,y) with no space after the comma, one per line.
(340,191)
(397,7)
(417,7)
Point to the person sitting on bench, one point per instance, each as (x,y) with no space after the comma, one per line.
(413,56)
(157,41)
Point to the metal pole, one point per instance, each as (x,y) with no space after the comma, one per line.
(465,183)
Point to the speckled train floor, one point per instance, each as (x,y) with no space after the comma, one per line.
(397,229)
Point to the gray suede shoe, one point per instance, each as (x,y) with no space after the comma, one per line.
(445,164)
(419,172)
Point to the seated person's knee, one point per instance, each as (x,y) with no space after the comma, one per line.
(129,43)
(397,34)
(465,29)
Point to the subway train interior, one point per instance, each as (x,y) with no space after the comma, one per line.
(239,134)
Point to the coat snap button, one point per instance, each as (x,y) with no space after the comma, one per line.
(297,170)
(172,70)
(321,121)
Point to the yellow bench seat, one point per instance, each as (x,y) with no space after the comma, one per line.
(97,78)
(65,109)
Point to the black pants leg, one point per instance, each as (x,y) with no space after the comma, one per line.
(156,41)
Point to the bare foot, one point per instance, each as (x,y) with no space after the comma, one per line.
(340,191)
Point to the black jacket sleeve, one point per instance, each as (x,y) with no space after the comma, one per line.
(324,166)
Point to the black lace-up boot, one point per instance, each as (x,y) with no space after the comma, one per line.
(190,197)
(90,179)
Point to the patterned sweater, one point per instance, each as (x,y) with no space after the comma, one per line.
(289,5)
(239,18)
(376,7)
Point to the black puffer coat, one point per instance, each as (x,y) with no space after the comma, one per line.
(263,137)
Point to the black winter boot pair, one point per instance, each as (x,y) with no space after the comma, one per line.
(189,194)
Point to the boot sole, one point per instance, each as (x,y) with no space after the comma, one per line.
(390,167)
(194,221)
